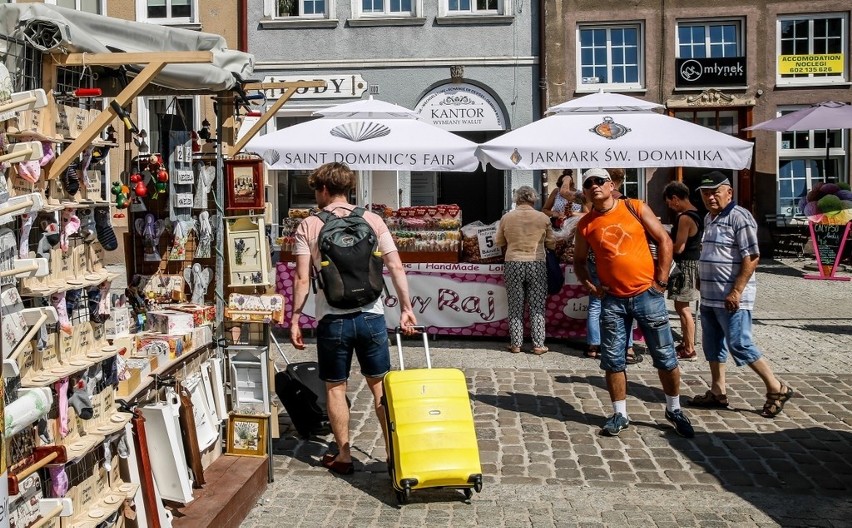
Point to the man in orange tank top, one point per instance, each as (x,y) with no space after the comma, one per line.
(632,288)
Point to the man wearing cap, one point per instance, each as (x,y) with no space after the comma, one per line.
(729,256)
(632,287)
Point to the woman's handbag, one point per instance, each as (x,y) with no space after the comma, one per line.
(555,277)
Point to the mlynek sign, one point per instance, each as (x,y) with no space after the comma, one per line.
(799,64)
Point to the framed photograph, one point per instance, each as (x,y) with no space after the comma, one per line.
(244,182)
(247,434)
(248,251)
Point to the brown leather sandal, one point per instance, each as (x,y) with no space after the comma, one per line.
(709,401)
(775,402)
(592,352)
(330,462)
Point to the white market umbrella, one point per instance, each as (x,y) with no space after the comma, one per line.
(605,130)
(367,135)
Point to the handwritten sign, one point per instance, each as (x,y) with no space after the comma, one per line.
(829,240)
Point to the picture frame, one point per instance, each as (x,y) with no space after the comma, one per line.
(248,251)
(247,434)
(244,183)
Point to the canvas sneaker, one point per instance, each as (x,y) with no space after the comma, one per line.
(681,423)
(615,424)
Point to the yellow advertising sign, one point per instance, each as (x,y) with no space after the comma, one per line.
(823,63)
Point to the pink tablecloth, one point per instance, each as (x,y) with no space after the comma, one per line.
(462,300)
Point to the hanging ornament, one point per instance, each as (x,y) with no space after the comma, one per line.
(162,176)
(141,190)
(121,193)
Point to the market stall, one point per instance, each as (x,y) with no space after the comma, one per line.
(120,407)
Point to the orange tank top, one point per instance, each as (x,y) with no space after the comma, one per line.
(623,260)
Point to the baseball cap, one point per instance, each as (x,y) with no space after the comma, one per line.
(596,173)
(714,179)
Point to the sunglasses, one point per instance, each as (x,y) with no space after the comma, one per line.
(587,184)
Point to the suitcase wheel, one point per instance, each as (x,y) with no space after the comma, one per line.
(403,496)
(477,483)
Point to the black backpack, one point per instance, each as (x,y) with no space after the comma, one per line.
(350,273)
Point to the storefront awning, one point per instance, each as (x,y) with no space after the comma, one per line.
(54,29)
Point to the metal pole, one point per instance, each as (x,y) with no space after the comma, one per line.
(219,200)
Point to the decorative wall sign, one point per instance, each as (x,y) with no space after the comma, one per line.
(244,184)
(461,106)
(717,71)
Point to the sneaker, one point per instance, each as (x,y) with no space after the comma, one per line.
(681,423)
(615,424)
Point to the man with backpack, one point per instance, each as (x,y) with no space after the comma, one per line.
(343,249)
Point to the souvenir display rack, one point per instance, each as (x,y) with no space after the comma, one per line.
(86,369)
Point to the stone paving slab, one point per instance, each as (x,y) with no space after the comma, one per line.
(538,419)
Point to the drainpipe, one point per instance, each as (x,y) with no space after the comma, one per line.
(542,84)
(242,25)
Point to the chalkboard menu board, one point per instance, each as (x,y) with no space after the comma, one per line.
(828,240)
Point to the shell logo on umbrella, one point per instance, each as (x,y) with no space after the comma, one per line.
(360,130)
(609,129)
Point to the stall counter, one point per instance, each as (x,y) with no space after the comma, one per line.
(461,299)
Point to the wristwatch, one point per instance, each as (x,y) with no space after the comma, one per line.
(662,284)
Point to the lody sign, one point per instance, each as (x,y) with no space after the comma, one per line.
(336,86)
(717,71)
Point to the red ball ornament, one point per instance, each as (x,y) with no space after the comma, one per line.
(135,178)
(162,176)
(140,190)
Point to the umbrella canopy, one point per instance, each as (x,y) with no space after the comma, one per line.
(366,135)
(611,130)
(829,115)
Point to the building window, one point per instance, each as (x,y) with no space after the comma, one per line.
(610,56)
(472,7)
(96,7)
(805,158)
(295,10)
(812,49)
(386,7)
(153,109)
(708,40)
(167,11)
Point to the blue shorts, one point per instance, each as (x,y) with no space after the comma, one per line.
(724,332)
(649,311)
(339,335)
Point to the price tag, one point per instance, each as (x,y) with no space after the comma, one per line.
(487,242)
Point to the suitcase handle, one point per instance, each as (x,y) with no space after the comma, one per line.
(421,330)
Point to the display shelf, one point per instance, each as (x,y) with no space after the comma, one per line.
(50,509)
(47,377)
(35,318)
(443,257)
(75,283)
(97,511)
(18,205)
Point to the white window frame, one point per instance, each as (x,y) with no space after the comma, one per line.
(640,59)
(838,152)
(270,11)
(810,79)
(416,10)
(738,22)
(102,4)
(142,14)
(504,7)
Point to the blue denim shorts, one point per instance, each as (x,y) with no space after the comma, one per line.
(649,311)
(361,332)
(724,332)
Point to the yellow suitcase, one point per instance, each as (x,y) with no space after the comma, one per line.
(430,424)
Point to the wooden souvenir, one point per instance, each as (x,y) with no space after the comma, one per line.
(247,434)
(248,252)
(244,184)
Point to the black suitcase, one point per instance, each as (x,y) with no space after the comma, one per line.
(303,395)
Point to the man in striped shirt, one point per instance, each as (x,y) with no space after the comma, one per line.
(729,257)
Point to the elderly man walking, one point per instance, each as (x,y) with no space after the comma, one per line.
(632,287)
(729,256)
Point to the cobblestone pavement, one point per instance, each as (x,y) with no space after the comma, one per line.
(538,419)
